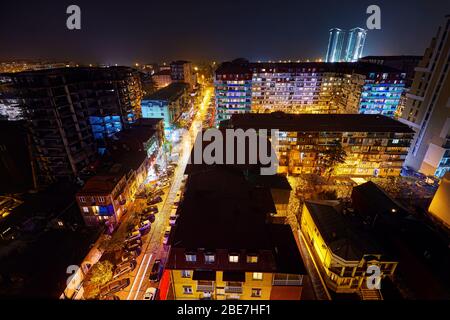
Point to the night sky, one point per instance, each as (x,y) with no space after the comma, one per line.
(131,31)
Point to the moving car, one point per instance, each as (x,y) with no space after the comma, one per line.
(114,287)
(124,268)
(166,235)
(156,273)
(150,294)
(173,220)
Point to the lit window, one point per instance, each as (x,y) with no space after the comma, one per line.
(252,259)
(209,258)
(220,291)
(85,209)
(185,273)
(257,276)
(233,258)
(101,199)
(187,290)
(395,141)
(191,257)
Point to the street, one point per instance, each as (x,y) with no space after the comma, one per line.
(153,247)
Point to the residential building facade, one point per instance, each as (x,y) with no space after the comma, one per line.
(428,108)
(167,103)
(243,87)
(251,259)
(342,249)
(72,111)
(375,145)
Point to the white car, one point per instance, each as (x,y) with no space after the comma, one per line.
(150,294)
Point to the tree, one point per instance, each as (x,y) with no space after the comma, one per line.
(332,157)
(101,273)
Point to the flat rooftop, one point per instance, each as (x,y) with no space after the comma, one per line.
(301,67)
(169,93)
(318,122)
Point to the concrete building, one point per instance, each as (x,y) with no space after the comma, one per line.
(343,248)
(162,78)
(167,103)
(375,145)
(181,71)
(243,87)
(250,259)
(71,111)
(428,108)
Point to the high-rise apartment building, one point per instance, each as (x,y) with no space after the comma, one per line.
(375,145)
(181,71)
(335,45)
(428,108)
(355,44)
(71,111)
(243,87)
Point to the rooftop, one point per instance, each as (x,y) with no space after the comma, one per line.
(222,210)
(346,237)
(101,184)
(169,93)
(338,67)
(318,122)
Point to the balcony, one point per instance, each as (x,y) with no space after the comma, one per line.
(205,286)
(235,289)
(287,280)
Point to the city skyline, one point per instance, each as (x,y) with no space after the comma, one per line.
(143,34)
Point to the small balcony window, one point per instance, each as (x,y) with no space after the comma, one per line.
(209,258)
(252,259)
(256,292)
(233,258)
(185,273)
(191,257)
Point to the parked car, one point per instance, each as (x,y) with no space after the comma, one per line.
(156,273)
(144,226)
(154,201)
(129,256)
(133,235)
(158,193)
(150,294)
(152,209)
(124,268)
(150,217)
(133,246)
(114,287)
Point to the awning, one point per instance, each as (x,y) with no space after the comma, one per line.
(204,275)
(234,276)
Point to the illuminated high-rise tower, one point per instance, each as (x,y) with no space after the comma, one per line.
(335,45)
(355,44)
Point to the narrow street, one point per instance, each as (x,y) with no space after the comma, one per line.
(153,247)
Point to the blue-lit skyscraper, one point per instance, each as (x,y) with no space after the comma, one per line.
(355,44)
(335,45)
